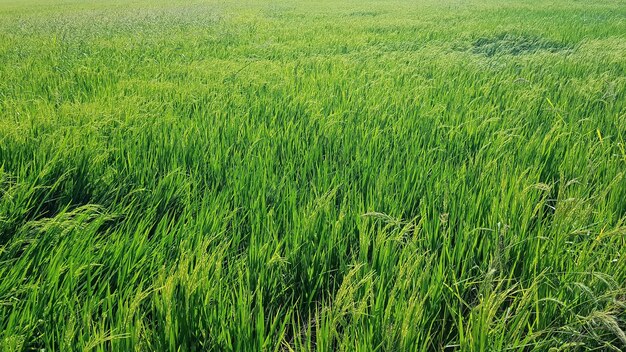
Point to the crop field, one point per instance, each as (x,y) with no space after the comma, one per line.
(288,175)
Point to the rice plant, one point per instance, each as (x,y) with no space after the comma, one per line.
(281,175)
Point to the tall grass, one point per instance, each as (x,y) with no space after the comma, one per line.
(283,176)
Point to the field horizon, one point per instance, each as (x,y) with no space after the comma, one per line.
(312,176)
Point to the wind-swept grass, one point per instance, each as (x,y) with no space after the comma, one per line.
(282,176)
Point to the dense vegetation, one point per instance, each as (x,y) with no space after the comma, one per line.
(283,175)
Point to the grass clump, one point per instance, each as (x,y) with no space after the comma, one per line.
(511,44)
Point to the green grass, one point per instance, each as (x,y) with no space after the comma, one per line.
(298,176)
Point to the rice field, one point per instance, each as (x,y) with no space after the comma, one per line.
(282,175)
